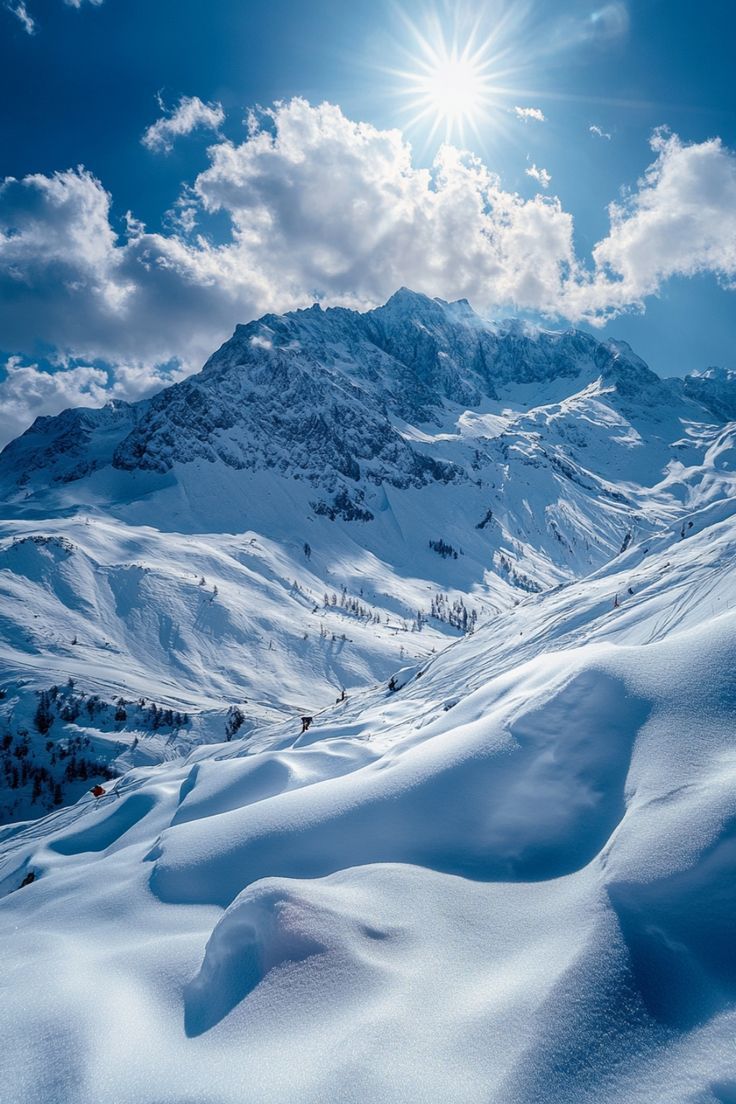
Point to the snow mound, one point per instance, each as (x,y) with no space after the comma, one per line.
(496,791)
(526,896)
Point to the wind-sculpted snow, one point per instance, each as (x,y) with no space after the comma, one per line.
(531,797)
(508,878)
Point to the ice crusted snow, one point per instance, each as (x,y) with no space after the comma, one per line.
(505,871)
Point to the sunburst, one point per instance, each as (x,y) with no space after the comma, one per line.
(453,76)
(451,89)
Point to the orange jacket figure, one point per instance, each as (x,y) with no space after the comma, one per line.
(98,791)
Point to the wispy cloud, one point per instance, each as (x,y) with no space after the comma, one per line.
(190,114)
(540,175)
(609,22)
(18,8)
(601,27)
(527,113)
(599,132)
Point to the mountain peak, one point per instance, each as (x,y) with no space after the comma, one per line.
(320,396)
(405,296)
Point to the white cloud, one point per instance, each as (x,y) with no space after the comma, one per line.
(527,113)
(322,207)
(320,202)
(28,391)
(599,132)
(681,221)
(190,114)
(19,9)
(319,206)
(540,175)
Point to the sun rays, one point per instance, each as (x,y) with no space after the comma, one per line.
(453,82)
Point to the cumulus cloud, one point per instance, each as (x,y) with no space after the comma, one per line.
(527,113)
(69,281)
(540,175)
(190,114)
(28,390)
(599,132)
(681,221)
(320,202)
(322,207)
(319,207)
(18,8)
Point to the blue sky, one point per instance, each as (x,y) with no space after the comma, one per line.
(308,202)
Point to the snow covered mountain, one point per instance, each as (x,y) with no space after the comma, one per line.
(334,495)
(506,874)
(493,567)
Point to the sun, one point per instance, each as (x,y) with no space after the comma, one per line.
(449,88)
(448,82)
(455,90)
(458,67)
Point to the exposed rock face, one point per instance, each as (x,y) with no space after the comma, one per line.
(316,393)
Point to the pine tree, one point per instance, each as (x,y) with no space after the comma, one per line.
(43,718)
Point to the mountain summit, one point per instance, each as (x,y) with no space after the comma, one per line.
(351,402)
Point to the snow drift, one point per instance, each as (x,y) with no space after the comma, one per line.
(509,879)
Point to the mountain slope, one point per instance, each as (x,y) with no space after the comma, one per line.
(543,812)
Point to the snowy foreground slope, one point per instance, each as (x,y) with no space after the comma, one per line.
(335,494)
(511,878)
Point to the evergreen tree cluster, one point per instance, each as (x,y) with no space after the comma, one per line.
(43,766)
(515,577)
(47,770)
(68,706)
(454,613)
(348,604)
(443,549)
